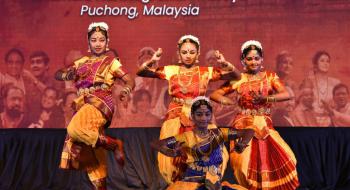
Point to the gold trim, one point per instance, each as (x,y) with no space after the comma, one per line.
(270,171)
(271,184)
(100,105)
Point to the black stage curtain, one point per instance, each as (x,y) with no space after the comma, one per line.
(29,160)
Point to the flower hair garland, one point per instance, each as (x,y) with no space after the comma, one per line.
(102,25)
(191,37)
(200,98)
(249,43)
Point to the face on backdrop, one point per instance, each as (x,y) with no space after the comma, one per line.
(323,63)
(14,64)
(286,65)
(14,102)
(69,100)
(143,104)
(38,66)
(49,99)
(307,97)
(341,97)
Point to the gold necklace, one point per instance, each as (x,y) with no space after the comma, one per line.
(202,133)
(187,74)
(254,77)
(205,156)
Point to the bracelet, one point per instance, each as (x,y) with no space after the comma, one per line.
(230,66)
(127,89)
(70,74)
(170,141)
(130,89)
(270,99)
(223,102)
(233,133)
(64,76)
(145,67)
(146,64)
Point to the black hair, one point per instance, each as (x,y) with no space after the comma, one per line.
(40,54)
(6,89)
(14,50)
(249,48)
(338,86)
(197,104)
(317,56)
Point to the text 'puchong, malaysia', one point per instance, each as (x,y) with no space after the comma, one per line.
(148,10)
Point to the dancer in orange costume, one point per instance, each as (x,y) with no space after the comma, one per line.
(267,163)
(94,76)
(186,81)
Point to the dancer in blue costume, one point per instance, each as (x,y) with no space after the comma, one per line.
(203,149)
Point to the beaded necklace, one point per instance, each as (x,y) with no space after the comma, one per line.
(187,76)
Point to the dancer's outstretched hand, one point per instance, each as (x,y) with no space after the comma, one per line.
(156,57)
(244,137)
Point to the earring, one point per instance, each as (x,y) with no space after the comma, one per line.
(197,61)
(89,49)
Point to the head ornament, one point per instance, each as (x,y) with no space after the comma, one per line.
(187,38)
(249,43)
(200,98)
(98,26)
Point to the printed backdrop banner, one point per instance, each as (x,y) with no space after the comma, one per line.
(294,30)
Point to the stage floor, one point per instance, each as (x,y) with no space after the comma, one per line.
(29,160)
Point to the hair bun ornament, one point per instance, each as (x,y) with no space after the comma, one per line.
(200,98)
(189,36)
(101,25)
(249,43)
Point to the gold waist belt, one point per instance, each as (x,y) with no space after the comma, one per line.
(260,111)
(92,89)
(186,101)
(212,169)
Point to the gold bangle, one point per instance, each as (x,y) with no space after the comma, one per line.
(145,67)
(64,76)
(222,101)
(127,89)
(230,66)
(271,99)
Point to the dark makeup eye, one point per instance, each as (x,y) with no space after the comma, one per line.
(251,58)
